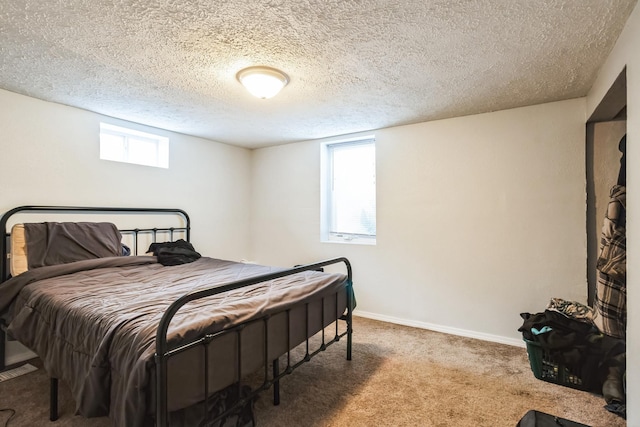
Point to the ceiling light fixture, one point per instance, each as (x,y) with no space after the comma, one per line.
(262,82)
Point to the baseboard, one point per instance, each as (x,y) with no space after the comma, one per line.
(16,353)
(16,372)
(440,328)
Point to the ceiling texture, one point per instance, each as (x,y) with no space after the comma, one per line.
(354,65)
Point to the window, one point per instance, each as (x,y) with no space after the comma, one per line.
(349,190)
(131,146)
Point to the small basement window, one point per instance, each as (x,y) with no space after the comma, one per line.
(132,146)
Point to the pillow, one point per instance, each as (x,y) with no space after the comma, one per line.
(18,256)
(52,243)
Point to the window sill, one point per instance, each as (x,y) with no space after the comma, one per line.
(354,241)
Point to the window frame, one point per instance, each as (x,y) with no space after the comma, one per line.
(161,145)
(327,235)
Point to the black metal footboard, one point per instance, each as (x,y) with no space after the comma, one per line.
(163,353)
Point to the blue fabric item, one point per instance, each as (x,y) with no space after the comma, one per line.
(544,330)
(619,409)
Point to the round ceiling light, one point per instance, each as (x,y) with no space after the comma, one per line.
(262,82)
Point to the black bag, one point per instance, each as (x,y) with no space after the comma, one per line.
(540,419)
(174,253)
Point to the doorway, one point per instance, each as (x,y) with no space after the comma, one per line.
(604,159)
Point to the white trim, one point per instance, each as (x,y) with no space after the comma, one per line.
(16,353)
(353,241)
(356,139)
(440,328)
(327,213)
(16,372)
(130,139)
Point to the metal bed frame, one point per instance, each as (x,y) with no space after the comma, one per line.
(164,353)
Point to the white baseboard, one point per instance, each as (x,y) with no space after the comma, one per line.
(440,328)
(16,353)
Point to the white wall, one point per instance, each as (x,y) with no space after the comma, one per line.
(626,53)
(50,156)
(479,218)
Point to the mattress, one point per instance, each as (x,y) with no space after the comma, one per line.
(93,323)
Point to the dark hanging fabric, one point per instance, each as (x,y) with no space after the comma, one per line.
(622,175)
(610,301)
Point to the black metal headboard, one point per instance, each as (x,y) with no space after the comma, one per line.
(135,232)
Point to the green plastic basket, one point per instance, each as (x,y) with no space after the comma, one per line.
(546,368)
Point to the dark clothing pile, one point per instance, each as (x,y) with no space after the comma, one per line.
(598,358)
(174,253)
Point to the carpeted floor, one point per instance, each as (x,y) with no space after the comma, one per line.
(399,376)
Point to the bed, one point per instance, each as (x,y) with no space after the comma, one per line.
(146,343)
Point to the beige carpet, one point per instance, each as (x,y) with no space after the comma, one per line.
(399,376)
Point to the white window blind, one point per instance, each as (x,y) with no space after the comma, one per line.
(131,146)
(351,187)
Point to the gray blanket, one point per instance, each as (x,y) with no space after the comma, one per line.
(93,322)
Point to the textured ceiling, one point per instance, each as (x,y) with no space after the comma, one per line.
(354,64)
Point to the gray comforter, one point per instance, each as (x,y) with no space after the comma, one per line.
(93,322)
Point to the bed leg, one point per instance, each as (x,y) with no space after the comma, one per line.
(349,319)
(53,399)
(276,383)
(349,340)
(3,337)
